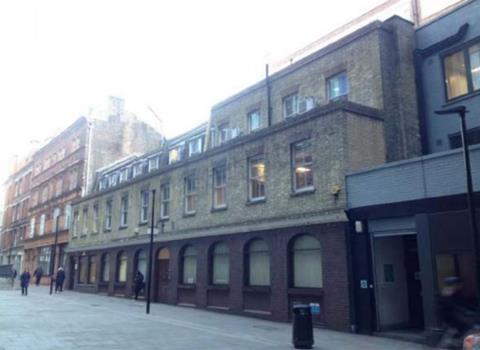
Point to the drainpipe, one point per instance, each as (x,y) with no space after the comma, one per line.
(269,104)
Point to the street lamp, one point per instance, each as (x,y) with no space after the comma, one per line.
(56,214)
(150,256)
(461,111)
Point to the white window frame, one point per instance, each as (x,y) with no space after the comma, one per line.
(96,218)
(42,225)
(164,201)
(124,210)
(219,187)
(84,221)
(153,163)
(144,197)
(253,179)
(67,213)
(250,115)
(294,100)
(191,192)
(108,214)
(305,165)
(195,146)
(341,94)
(32,227)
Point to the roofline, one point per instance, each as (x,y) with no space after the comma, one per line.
(189,133)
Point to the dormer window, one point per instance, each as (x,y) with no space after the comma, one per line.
(223,133)
(124,174)
(290,105)
(195,146)
(153,164)
(138,169)
(174,155)
(113,179)
(337,86)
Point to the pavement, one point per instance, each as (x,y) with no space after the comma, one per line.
(73,320)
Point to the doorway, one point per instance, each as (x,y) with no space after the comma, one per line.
(163,274)
(397,282)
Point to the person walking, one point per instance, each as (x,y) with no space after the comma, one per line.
(59,279)
(24,282)
(13,275)
(138,281)
(38,273)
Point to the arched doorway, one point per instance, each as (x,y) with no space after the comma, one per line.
(162,268)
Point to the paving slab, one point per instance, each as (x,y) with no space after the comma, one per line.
(72,320)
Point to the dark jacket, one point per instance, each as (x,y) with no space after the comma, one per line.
(60,277)
(25,279)
(38,272)
(138,280)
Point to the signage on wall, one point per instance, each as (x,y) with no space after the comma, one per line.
(315,308)
(363,284)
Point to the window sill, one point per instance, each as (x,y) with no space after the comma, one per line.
(94,233)
(74,237)
(187,286)
(224,287)
(187,215)
(256,201)
(303,192)
(257,289)
(164,219)
(107,230)
(123,227)
(461,98)
(83,236)
(143,223)
(214,210)
(305,291)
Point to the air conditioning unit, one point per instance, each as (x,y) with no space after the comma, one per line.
(306,104)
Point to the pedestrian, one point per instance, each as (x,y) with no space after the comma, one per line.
(138,281)
(38,273)
(13,275)
(59,279)
(24,281)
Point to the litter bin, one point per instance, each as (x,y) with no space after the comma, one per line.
(302,335)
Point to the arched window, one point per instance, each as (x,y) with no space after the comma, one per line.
(189,265)
(141,262)
(258,263)
(122,267)
(307,262)
(105,276)
(220,264)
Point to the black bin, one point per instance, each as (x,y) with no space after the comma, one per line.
(302,335)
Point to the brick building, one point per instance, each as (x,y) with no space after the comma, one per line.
(250,207)
(15,215)
(63,171)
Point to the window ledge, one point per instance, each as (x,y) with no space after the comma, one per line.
(461,98)
(83,236)
(123,227)
(187,286)
(143,223)
(106,230)
(303,192)
(74,237)
(256,201)
(224,287)
(164,219)
(187,215)
(94,233)
(257,289)
(214,210)
(305,291)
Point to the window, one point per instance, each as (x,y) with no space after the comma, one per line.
(189,265)
(462,71)
(219,187)
(144,207)
(83,276)
(141,262)
(153,163)
(75,224)
(113,179)
(85,221)
(290,105)
(223,133)
(254,121)
(44,259)
(103,184)
(220,264)
(34,199)
(307,262)
(92,270)
(122,267)
(258,263)
(337,86)
(124,174)
(45,194)
(32,227)
(68,213)
(138,169)
(108,214)
(96,218)
(190,194)
(73,180)
(164,201)
(105,273)
(302,166)
(195,146)
(174,155)
(58,187)
(256,182)
(124,211)
(42,225)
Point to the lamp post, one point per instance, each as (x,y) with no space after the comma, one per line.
(461,111)
(150,256)
(56,213)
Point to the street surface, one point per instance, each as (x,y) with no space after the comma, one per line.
(74,320)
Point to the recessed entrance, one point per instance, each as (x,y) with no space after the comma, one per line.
(397,282)
(163,276)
